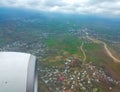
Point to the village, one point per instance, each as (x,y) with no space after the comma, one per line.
(74,76)
(33,48)
(77,77)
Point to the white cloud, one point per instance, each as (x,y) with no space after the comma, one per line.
(100,7)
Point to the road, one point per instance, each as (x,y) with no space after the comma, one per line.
(105,47)
(81,48)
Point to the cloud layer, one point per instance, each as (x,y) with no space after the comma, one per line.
(97,7)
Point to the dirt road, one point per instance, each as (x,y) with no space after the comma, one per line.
(81,48)
(105,47)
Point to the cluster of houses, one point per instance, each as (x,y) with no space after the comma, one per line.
(76,77)
(35,48)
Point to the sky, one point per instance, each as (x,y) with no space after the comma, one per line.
(94,7)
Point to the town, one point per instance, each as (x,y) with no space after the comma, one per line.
(76,77)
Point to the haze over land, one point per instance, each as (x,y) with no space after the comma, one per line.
(77,42)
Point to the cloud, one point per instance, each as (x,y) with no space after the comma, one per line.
(97,7)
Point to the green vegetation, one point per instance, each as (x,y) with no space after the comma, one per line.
(65,45)
(56,38)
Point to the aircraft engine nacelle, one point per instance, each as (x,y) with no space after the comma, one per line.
(18,72)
